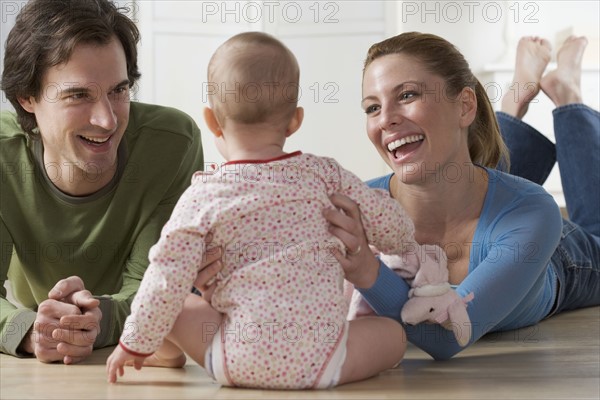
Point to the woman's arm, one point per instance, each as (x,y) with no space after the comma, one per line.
(512,266)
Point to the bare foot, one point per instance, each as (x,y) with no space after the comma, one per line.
(168,355)
(563,85)
(157,361)
(533,55)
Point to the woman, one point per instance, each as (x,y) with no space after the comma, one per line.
(431,121)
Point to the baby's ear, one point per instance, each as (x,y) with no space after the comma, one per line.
(212,122)
(295,122)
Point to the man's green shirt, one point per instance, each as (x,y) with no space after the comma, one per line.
(104,238)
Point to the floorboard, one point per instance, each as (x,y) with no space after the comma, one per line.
(556,359)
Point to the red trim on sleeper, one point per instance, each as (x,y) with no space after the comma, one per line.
(283,157)
(133,353)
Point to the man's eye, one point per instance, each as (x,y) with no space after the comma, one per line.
(120,92)
(77,96)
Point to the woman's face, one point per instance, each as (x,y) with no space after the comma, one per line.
(416,126)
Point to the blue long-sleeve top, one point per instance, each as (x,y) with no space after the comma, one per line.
(509,268)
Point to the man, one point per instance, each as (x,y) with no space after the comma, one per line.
(88,178)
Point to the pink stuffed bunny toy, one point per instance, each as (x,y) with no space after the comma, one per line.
(431,298)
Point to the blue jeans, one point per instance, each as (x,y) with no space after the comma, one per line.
(576,260)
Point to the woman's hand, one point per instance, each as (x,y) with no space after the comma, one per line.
(360,265)
(211,266)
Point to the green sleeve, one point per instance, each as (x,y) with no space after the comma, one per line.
(14,322)
(115,308)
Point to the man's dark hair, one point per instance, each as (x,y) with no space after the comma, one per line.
(45,34)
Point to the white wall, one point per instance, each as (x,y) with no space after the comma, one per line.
(474,26)
(485,31)
(329,39)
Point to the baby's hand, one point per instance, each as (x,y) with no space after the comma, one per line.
(118,359)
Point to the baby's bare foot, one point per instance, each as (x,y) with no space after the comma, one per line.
(533,55)
(563,85)
(157,361)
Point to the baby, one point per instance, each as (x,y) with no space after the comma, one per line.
(278,317)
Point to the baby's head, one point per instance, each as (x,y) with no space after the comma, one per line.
(253,79)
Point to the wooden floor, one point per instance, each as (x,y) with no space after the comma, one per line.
(556,359)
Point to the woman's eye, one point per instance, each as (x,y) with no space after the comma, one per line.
(371,109)
(407,95)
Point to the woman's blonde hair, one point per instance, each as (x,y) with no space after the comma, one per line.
(441,58)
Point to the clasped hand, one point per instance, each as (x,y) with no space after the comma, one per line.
(66,325)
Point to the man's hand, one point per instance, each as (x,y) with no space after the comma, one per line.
(211,266)
(67,323)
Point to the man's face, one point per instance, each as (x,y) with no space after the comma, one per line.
(82,114)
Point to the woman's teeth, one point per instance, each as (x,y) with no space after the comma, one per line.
(406,140)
